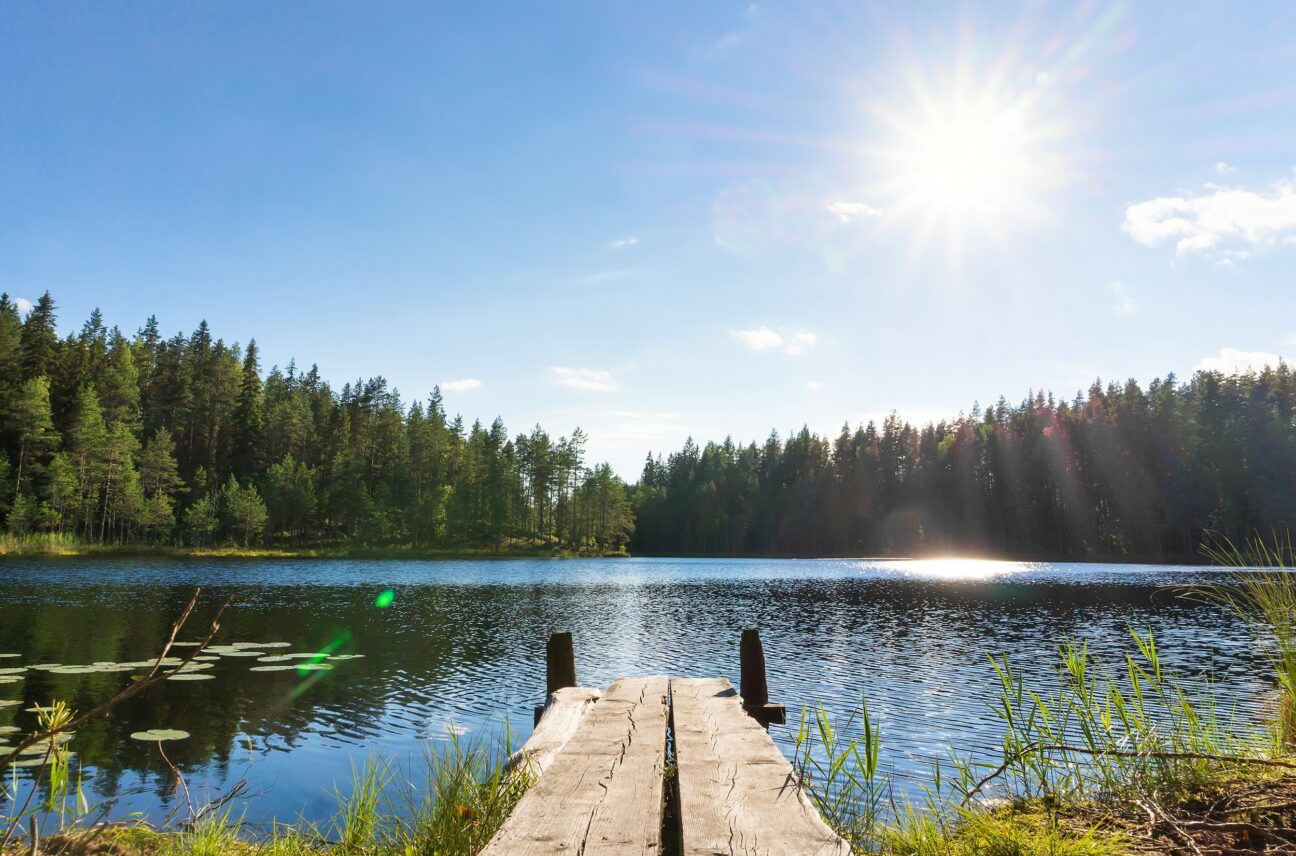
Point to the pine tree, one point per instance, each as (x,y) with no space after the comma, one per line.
(30,420)
(248,419)
(39,340)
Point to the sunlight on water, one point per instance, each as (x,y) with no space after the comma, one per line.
(956,569)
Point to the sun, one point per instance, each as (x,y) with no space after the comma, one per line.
(965,157)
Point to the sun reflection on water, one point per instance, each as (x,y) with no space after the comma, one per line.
(955,569)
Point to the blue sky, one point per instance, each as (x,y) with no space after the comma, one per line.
(662,220)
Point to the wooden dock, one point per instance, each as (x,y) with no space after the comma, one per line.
(601,762)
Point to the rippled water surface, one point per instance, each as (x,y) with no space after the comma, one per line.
(460,650)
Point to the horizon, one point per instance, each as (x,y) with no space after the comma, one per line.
(713,222)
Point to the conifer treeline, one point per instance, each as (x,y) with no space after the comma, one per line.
(1119,472)
(183,440)
(158,440)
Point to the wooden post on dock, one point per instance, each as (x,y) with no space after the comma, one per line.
(560,666)
(753,686)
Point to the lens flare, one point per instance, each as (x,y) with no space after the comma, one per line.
(385,599)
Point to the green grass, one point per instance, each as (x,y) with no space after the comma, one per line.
(470,792)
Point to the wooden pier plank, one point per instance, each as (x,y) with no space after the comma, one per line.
(602,791)
(737,793)
(563,712)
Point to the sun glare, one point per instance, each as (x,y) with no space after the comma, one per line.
(967,156)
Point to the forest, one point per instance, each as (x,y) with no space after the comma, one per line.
(1117,472)
(185,441)
(182,440)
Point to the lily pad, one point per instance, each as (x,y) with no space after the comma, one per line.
(242,653)
(345,656)
(27,762)
(158,734)
(185,644)
(202,659)
(304,656)
(190,676)
(6,679)
(7,656)
(10,702)
(9,729)
(250,645)
(272,668)
(16,670)
(277,658)
(314,667)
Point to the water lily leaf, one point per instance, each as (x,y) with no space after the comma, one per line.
(202,659)
(16,670)
(345,656)
(277,658)
(314,667)
(250,645)
(304,656)
(185,644)
(272,669)
(27,762)
(242,653)
(190,676)
(157,734)
(7,656)
(9,702)
(9,729)
(6,679)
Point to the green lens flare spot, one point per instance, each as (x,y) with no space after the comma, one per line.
(385,599)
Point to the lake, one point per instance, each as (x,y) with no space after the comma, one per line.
(459,651)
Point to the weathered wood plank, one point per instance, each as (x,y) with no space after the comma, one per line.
(737,794)
(563,712)
(602,792)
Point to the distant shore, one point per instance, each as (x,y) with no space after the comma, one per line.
(67,547)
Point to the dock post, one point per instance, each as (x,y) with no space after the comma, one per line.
(753,686)
(560,666)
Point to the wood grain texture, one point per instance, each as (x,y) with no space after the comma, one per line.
(737,793)
(563,712)
(602,792)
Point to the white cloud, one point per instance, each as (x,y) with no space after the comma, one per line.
(763,339)
(816,386)
(1226,219)
(461,385)
(24,305)
(851,211)
(627,241)
(759,339)
(1231,360)
(799,341)
(1124,303)
(597,380)
(1224,169)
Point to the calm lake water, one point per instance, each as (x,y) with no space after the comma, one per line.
(460,651)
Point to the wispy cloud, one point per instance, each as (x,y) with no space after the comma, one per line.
(621,243)
(848,212)
(763,339)
(1228,221)
(1224,168)
(23,305)
(461,385)
(736,37)
(605,276)
(1232,360)
(1124,303)
(596,380)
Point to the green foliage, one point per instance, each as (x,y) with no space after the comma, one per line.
(1119,471)
(121,438)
